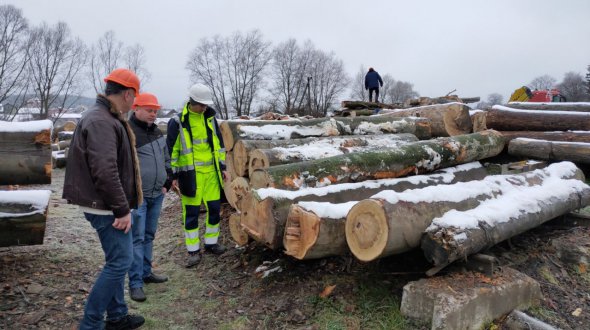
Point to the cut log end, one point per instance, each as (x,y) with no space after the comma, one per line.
(366,230)
(227,136)
(258,161)
(301,232)
(238,188)
(240,159)
(237,232)
(260,179)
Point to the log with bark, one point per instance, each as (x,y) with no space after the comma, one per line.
(551,106)
(412,158)
(478,120)
(354,113)
(445,119)
(577,152)
(393,222)
(265,211)
(22,216)
(354,105)
(324,147)
(456,235)
(25,152)
(577,136)
(233,130)
(507,119)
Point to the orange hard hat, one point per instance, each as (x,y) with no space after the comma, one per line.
(146,100)
(124,77)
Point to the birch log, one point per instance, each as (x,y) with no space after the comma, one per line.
(445,119)
(23,215)
(265,211)
(458,234)
(25,152)
(577,152)
(412,158)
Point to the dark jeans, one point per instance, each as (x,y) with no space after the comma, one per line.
(376,90)
(145,224)
(108,292)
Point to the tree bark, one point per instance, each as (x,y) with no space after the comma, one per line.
(308,236)
(22,219)
(265,211)
(233,130)
(550,150)
(505,119)
(457,235)
(237,233)
(445,119)
(412,158)
(354,105)
(548,136)
(551,106)
(25,156)
(332,146)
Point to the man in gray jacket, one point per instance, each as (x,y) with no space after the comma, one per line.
(154,161)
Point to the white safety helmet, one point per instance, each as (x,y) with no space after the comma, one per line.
(201,94)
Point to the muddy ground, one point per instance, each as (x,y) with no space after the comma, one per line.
(44,286)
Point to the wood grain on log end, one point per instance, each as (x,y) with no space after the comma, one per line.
(366,229)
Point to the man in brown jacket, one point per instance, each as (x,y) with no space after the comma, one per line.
(102,177)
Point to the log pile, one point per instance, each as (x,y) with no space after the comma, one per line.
(23,215)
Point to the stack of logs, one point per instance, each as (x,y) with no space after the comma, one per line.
(25,158)
(62,136)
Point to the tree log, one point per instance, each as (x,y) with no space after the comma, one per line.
(577,152)
(506,119)
(22,216)
(236,191)
(478,120)
(548,136)
(308,236)
(457,235)
(445,119)
(233,130)
(354,105)
(551,106)
(412,158)
(25,152)
(237,232)
(230,166)
(327,147)
(265,211)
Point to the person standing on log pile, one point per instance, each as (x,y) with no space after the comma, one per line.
(198,166)
(372,82)
(156,174)
(102,177)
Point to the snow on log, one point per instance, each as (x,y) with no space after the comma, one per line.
(557,190)
(265,211)
(412,158)
(577,136)
(324,147)
(22,216)
(445,119)
(551,106)
(577,152)
(25,152)
(506,119)
(233,130)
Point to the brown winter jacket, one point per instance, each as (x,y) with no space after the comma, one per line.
(102,169)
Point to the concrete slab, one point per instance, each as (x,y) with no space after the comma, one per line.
(468,300)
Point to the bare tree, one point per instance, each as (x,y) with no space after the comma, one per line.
(104,58)
(232,67)
(495,98)
(402,91)
(134,59)
(588,81)
(358,85)
(386,93)
(14,44)
(543,82)
(573,87)
(56,61)
(328,81)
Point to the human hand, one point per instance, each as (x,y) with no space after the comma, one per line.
(123,223)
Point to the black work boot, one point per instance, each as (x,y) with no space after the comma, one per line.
(193,259)
(129,321)
(137,294)
(153,278)
(215,248)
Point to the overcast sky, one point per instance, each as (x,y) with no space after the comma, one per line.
(477,47)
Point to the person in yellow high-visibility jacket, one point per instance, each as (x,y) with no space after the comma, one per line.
(197,160)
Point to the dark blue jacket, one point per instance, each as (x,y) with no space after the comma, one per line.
(373,80)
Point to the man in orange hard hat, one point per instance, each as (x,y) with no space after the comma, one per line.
(154,162)
(102,178)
